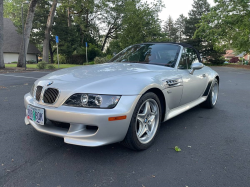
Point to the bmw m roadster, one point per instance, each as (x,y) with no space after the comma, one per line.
(124,100)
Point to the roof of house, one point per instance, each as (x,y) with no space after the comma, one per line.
(229,54)
(241,55)
(12,40)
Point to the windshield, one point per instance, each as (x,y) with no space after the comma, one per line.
(160,54)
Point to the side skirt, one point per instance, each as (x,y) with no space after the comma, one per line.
(176,111)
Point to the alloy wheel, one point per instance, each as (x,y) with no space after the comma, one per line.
(147,121)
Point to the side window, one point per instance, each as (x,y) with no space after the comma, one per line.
(183,60)
(191,57)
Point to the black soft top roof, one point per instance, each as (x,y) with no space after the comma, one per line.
(181,44)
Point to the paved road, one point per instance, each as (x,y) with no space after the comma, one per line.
(215,146)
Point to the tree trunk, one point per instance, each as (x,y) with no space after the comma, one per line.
(69,18)
(1,35)
(51,54)
(47,32)
(104,43)
(105,40)
(27,31)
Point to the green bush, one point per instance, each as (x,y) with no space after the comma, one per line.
(62,59)
(77,59)
(50,66)
(14,62)
(109,57)
(93,52)
(90,63)
(100,60)
(217,61)
(31,61)
(41,65)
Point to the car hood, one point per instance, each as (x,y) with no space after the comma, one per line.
(108,78)
(92,73)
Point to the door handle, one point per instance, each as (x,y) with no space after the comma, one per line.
(204,75)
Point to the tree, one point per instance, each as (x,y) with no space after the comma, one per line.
(27,31)
(112,15)
(12,10)
(69,37)
(170,30)
(47,31)
(1,36)
(204,46)
(140,23)
(227,26)
(199,7)
(180,24)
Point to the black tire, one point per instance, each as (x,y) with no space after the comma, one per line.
(131,141)
(209,103)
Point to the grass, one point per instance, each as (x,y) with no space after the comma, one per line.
(34,66)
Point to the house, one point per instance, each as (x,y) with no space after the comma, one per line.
(229,54)
(247,57)
(12,43)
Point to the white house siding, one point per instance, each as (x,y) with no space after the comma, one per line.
(13,57)
(31,57)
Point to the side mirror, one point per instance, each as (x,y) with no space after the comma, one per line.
(196,66)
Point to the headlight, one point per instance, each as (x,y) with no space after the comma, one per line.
(92,101)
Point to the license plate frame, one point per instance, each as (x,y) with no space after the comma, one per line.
(36,114)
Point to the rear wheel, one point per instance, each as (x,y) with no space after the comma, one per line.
(212,96)
(145,123)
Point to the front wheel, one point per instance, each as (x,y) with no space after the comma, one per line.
(145,123)
(212,96)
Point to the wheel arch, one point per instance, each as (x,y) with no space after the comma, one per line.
(162,99)
(218,78)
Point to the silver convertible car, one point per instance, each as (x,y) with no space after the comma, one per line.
(124,100)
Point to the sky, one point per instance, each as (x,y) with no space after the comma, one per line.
(176,7)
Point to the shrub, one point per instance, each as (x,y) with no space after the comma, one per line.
(93,51)
(77,59)
(41,65)
(234,60)
(109,57)
(14,62)
(100,60)
(62,59)
(217,61)
(50,66)
(90,63)
(31,61)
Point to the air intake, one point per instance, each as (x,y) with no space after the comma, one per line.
(50,95)
(38,92)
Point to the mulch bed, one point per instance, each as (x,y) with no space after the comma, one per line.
(238,66)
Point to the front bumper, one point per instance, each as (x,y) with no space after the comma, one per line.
(79,118)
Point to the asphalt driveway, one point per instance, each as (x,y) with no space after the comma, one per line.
(215,145)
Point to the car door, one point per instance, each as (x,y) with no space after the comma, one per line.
(194,84)
(172,82)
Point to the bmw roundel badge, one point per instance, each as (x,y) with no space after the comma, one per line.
(50,83)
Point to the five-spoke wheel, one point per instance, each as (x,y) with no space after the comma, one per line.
(145,122)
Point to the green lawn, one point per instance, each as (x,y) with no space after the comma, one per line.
(56,66)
